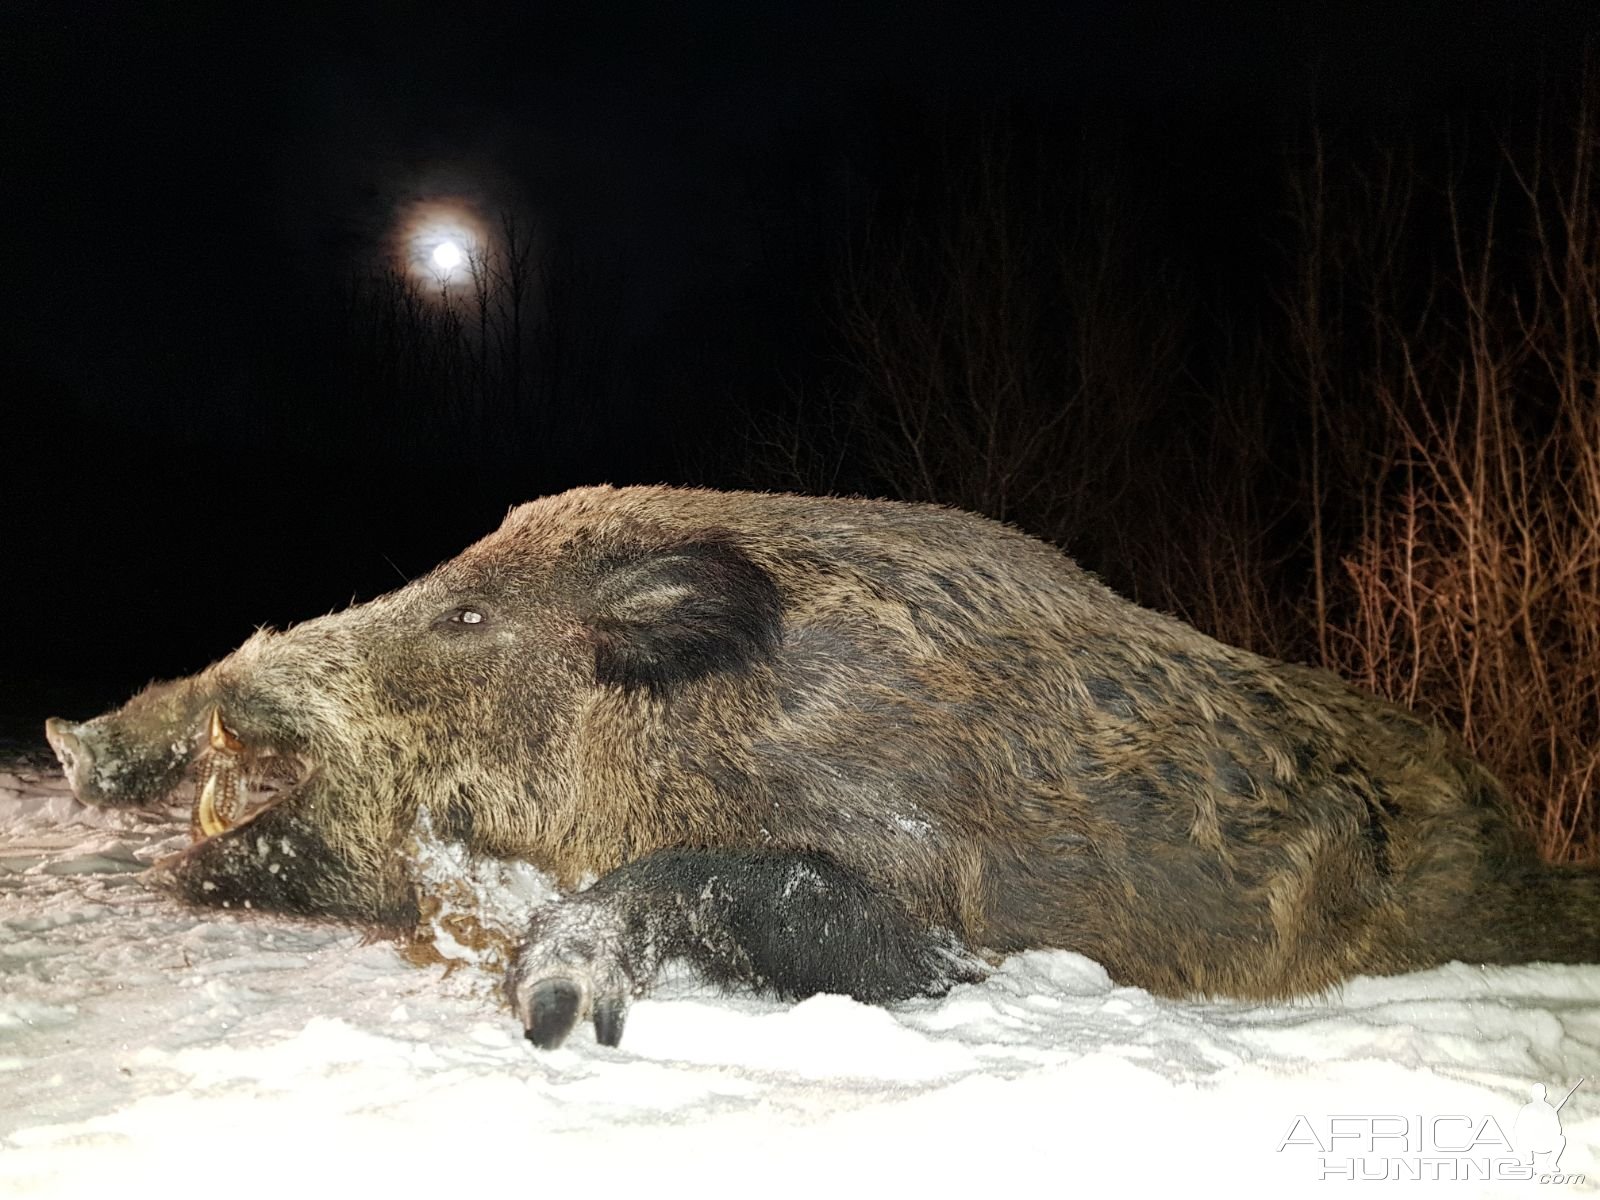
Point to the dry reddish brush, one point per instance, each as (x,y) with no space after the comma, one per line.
(830,745)
(1472,590)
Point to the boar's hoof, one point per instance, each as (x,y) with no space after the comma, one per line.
(573,966)
(552,1012)
(609,1013)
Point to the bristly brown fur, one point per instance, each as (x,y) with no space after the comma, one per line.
(942,707)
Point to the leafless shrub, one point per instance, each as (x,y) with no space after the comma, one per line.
(1474,585)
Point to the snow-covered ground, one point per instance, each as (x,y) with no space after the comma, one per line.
(146,1048)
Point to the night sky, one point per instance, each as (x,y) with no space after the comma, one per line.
(190,191)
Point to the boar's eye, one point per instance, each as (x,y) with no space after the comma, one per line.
(469,615)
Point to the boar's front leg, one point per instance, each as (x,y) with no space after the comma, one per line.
(792,925)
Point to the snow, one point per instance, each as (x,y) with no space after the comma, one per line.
(146,1047)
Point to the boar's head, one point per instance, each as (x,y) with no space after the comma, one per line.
(473,695)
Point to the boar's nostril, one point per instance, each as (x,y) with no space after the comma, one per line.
(75,756)
(62,739)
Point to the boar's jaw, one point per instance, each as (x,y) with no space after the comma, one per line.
(236,782)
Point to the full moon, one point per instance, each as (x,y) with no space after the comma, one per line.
(447,256)
(437,242)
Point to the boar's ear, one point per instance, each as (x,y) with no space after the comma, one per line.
(666,615)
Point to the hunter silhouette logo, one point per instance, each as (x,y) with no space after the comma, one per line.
(1537,1135)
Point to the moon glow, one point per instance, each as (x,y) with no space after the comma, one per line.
(433,241)
(447,256)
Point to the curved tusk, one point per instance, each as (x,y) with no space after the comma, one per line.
(220,736)
(210,822)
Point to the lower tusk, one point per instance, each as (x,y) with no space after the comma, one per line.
(210,822)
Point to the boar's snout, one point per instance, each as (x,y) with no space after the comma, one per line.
(76,755)
(109,767)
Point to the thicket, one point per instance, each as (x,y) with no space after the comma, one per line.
(1391,469)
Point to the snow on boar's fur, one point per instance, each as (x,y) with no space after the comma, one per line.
(830,745)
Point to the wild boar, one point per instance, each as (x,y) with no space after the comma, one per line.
(830,745)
